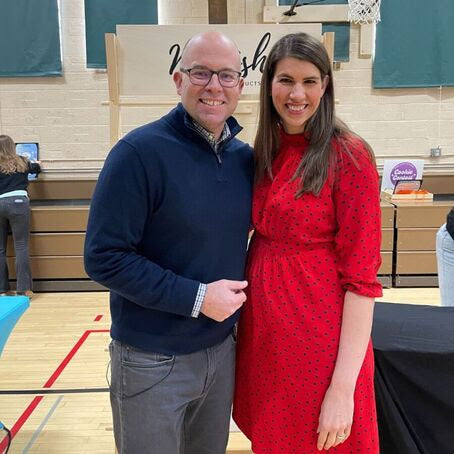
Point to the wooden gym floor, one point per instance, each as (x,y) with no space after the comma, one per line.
(53,389)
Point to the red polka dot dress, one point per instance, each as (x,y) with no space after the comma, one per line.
(304,255)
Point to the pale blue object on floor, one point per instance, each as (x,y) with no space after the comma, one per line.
(11,309)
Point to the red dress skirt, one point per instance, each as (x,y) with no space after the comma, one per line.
(304,255)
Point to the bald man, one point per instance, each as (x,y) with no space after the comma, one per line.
(167,234)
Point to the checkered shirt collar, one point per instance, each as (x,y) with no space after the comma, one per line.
(209,137)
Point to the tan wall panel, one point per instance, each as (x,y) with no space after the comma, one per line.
(52,244)
(53,267)
(217,11)
(439,184)
(59,219)
(423,262)
(386,263)
(387,215)
(387,238)
(416,239)
(61,189)
(236,12)
(254,11)
(423,214)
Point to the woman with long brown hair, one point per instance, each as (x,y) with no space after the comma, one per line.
(15,212)
(304,376)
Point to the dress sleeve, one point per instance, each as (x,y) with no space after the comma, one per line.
(358,216)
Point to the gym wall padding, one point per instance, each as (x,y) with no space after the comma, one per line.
(102,16)
(30,39)
(414,44)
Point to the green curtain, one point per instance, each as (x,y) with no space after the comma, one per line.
(102,16)
(342,29)
(414,45)
(29,38)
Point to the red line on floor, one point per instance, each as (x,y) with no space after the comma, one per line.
(34,403)
(97,318)
(65,362)
(20,422)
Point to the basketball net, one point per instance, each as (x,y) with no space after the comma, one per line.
(364,11)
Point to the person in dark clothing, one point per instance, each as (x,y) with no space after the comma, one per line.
(15,213)
(445,259)
(167,234)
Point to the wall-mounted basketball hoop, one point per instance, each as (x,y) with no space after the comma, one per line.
(364,11)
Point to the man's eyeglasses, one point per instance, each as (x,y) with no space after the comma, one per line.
(202,76)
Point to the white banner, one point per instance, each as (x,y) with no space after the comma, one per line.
(149,54)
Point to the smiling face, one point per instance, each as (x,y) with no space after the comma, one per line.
(212,104)
(296,90)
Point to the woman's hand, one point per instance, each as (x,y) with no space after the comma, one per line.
(336,417)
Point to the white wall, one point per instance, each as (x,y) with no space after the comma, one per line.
(182,12)
(68,115)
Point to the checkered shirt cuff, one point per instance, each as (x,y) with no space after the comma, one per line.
(199,300)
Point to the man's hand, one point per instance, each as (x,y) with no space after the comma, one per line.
(223,298)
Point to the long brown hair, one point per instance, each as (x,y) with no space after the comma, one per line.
(10,162)
(320,129)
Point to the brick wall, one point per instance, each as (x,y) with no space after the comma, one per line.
(68,115)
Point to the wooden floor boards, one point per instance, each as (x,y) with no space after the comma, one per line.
(60,348)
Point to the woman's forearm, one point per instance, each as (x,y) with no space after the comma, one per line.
(355,335)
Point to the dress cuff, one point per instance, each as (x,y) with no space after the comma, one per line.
(199,300)
(371,290)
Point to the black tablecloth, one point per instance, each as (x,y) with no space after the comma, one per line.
(414,378)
